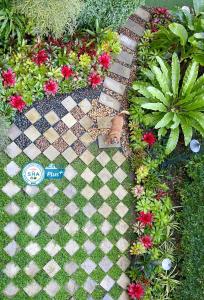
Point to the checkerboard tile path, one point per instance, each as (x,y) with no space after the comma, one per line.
(67,239)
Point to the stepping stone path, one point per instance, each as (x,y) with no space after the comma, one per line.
(67,239)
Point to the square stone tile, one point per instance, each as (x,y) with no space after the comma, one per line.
(69,103)
(71,247)
(122,227)
(104,122)
(11,189)
(42,143)
(32,209)
(70,267)
(121,209)
(86,139)
(60,127)
(70,191)
(88,266)
(32,248)
(69,137)
(88,175)
(70,172)
(120,175)
(108,297)
(31,190)
(87,157)
(105,192)
(52,228)
(122,244)
(85,106)
(51,189)
(12,208)
(32,229)
(123,263)
(71,209)
(12,150)
(51,135)
(87,192)
(89,228)
(51,117)
(69,120)
(106,245)
(13,132)
(90,285)
(11,290)
(51,268)
(71,286)
(69,155)
(32,289)
(33,115)
(60,145)
(51,153)
(105,264)
(123,281)
(124,296)
(86,122)
(12,248)
(89,210)
(52,288)
(106,227)
(31,269)
(12,169)
(104,175)
(32,133)
(107,283)
(119,158)
(11,269)
(72,227)
(89,247)
(32,151)
(103,158)
(105,210)
(51,209)
(52,248)
(120,192)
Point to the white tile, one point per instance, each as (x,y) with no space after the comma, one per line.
(107,283)
(51,268)
(51,189)
(71,247)
(32,248)
(11,269)
(12,248)
(72,227)
(11,290)
(31,269)
(51,209)
(52,248)
(12,169)
(32,209)
(12,208)
(32,229)
(52,288)
(11,189)
(11,229)
(32,289)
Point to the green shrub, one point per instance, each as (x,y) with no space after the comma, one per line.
(51,16)
(4,126)
(192,222)
(108,12)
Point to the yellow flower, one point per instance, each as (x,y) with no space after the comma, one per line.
(137,249)
(85,60)
(141,173)
(73,56)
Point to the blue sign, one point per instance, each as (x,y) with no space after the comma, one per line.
(52,172)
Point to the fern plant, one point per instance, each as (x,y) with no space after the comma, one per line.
(170,103)
(51,17)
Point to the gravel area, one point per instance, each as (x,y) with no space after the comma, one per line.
(42,143)
(129,33)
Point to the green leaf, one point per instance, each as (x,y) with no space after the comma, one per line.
(161,79)
(199,83)
(180,31)
(162,132)
(199,35)
(197,116)
(172,141)
(197,104)
(158,95)
(190,78)
(165,120)
(187,130)
(141,87)
(164,67)
(176,120)
(175,75)
(154,106)
(198,6)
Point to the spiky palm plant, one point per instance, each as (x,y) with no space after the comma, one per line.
(172,104)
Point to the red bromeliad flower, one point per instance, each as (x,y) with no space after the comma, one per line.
(149,138)
(145,218)
(51,87)
(40,57)
(17,102)
(105,60)
(94,79)
(146,241)
(161,11)
(136,291)
(9,78)
(67,72)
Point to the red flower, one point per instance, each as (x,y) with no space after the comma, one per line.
(136,291)
(94,79)
(51,87)
(146,241)
(40,57)
(161,11)
(17,102)
(105,60)
(145,218)
(66,72)
(160,194)
(149,138)
(9,78)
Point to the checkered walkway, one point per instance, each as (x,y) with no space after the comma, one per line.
(65,239)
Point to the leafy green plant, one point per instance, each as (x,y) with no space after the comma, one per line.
(4,127)
(51,16)
(176,104)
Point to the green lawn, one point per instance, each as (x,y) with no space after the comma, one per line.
(168,3)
